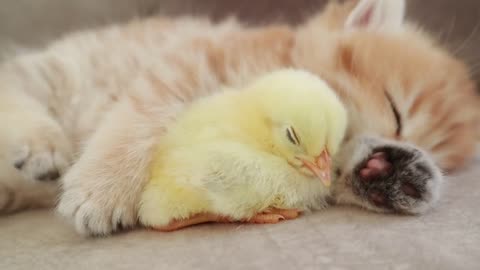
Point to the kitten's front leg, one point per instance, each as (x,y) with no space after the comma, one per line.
(102,190)
(386,176)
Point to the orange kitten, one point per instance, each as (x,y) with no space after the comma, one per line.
(110,94)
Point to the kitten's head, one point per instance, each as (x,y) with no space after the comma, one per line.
(397,81)
(412,105)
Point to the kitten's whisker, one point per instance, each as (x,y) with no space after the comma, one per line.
(444,36)
(464,44)
(475,69)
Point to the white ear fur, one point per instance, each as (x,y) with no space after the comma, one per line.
(377,15)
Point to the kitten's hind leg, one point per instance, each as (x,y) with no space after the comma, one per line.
(34,151)
(387,176)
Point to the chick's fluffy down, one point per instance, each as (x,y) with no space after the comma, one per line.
(228,154)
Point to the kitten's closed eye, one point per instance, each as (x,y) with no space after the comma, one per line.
(398,118)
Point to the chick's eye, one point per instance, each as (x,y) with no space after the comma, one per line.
(292,136)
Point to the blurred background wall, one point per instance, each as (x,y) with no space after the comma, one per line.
(33,23)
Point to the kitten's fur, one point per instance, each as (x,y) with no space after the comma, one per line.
(109,95)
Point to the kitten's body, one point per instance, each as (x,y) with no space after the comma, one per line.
(118,88)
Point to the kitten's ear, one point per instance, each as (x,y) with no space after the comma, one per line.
(377,15)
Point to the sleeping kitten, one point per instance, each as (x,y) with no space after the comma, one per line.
(109,95)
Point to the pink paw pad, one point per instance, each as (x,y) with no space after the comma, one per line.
(377,166)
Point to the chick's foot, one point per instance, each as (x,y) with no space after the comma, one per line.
(193,220)
(274,215)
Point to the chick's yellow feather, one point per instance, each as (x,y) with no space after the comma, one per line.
(240,152)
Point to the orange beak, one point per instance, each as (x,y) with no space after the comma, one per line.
(321,167)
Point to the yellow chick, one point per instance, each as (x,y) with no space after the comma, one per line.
(260,154)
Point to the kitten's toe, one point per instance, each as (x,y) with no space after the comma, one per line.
(91,220)
(7,198)
(397,178)
(17,195)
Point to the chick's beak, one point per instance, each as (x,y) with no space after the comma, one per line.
(321,167)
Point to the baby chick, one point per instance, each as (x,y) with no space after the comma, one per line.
(261,154)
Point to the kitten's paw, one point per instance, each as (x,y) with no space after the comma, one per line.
(397,178)
(43,156)
(95,212)
(16,195)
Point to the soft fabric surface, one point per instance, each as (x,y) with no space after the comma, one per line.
(448,237)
